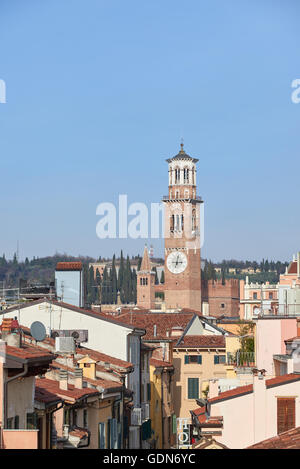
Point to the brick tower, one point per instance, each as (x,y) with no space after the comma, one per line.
(182,235)
(145,283)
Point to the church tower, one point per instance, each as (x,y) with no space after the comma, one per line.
(182,235)
(146,283)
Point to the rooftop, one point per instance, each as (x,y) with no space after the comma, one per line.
(201,341)
(286,440)
(72,393)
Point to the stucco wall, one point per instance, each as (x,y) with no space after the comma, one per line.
(248,420)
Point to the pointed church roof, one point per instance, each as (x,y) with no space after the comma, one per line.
(182,155)
(145,265)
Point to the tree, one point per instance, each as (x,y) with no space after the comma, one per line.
(114,282)
(156,276)
(121,272)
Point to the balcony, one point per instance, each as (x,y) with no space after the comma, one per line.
(241,359)
(19,439)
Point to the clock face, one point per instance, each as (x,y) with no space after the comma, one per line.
(177,262)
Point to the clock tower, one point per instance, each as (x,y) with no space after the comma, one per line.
(182,235)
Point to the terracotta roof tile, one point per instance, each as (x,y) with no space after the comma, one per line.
(160,363)
(28,352)
(69,266)
(164,323)
(286,440)
(292,269)
(79,432)
(206,420)
(102,357)
(282,379)
(45,396)
(74,393)
(239,391)
(202,341)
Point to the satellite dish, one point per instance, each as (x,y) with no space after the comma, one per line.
(38,331)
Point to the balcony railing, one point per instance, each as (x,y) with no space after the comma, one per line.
(241,358)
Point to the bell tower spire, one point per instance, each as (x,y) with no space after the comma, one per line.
(182,240)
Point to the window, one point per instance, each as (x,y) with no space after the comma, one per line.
(85,418)
(193,388)
(285,414)
(193,359)
(222,305)
(74,417)
(172,223)
(31,421)
(66,417)
(270,296)
(218,359)
(16,426)
(10,423)
(148,391)
(255,295)
(102,442)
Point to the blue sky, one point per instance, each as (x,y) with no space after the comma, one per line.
(99,93)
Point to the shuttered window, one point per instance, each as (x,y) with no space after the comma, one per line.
(193,359)
(218,359)
(193,388)
(102,444)
(285,414)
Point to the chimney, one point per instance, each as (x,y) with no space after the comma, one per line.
(259,397)
(213,388)
(78,381)
(63,379)
(11,332)
(176,331)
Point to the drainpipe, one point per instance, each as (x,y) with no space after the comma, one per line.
(51,422)
(6,381)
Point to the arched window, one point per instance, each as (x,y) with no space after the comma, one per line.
(172,223)
(177,175)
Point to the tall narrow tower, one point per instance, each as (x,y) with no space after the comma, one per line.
(182,235)
(145,283)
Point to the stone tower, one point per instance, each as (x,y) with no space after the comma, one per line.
(145,283)
(182,235)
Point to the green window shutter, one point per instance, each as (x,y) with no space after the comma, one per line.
(174,424)
(193,388)
(216,359)
(199,359)
(186,360)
